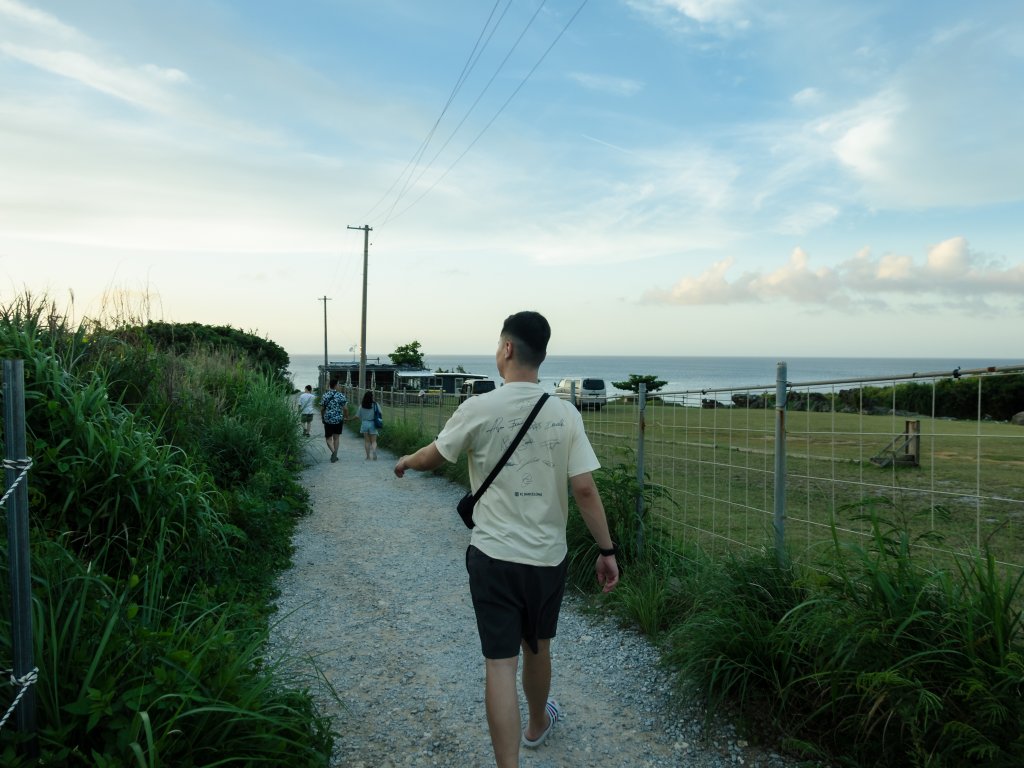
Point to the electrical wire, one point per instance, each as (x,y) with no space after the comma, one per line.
(467,68)
(492,120)
(473,106)
(410,181)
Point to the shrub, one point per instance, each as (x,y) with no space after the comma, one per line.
(130,676)
(152,572)
(883,662)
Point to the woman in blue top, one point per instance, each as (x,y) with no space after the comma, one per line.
(368,412)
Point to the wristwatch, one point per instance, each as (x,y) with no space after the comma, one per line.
(609,552)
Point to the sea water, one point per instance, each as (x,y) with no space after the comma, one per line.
(683,373)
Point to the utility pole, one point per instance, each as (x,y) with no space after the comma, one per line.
(367,229)
(324,299)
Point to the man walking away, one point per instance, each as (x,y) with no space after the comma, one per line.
(517,557)
(333,412)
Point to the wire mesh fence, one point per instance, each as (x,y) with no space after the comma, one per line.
(935,453)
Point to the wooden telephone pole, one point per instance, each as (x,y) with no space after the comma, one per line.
(320,384)
(367,229)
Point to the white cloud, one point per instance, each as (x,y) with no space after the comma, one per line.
(894,268)
(949,258)
(619,86)
(51,46)
(950,275)
(867,141)
(709,287)
(795,281)
(142,87)
(806,97)
(671,201)
(940,130)
(808,217)
(704,11)
(719,14)
(36,20)
(168,74)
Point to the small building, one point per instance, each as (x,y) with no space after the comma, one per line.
(378,375)
(393,377)
(433,382)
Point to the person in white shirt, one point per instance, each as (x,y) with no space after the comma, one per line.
(517,557)
(306,410)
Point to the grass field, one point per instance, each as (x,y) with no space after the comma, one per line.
(717,469)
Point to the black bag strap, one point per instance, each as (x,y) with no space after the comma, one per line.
(511,448)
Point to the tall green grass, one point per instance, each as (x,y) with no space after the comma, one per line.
(880,661)
(132,676)
(163,495)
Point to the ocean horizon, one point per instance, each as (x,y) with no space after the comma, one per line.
(683,373)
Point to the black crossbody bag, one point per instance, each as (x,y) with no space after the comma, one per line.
(467,502)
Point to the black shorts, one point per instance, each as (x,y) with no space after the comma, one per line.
(332,429)
(514,602)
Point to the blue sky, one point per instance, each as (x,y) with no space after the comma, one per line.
(679,177)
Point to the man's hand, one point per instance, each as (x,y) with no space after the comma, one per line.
(424,460)
(607,572)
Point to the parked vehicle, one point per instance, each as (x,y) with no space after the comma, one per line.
(590,392)
(435,382)
(475,387)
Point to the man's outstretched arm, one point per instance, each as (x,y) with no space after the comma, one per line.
(424,460)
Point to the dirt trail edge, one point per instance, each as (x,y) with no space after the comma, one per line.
(378,601)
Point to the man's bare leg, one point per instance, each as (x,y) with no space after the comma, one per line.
(502,700)
(537,686)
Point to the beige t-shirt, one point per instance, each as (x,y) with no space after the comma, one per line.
(522,515)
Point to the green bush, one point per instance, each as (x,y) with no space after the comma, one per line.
(154,552)
(129,676)
(261,355)
(881,662)
(1001,396)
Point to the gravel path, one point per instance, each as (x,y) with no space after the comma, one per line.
(378,600)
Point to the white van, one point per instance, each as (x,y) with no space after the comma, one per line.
(590,392)
(472,387)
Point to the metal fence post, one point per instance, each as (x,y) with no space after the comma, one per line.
(779,520)
(18,546)
(641,431)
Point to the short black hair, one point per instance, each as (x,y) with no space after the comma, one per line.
(531,332)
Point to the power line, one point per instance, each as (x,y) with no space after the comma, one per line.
(467,68)
(491,121)
(471,108)
(410,181)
